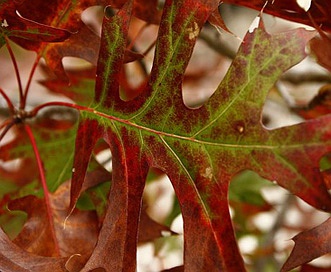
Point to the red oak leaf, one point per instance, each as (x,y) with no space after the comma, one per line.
(199,149)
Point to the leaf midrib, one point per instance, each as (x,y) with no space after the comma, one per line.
(194,140)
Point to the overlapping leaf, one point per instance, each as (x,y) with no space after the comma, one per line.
(77,236)
(82,42)
(199,149)
(320,105)
(320,47)
(61,134)
(148,11)
(16,259)
(17,27)
(81,86)
(290,10)
(53,141)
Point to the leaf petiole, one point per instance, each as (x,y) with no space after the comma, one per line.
(44,185)
(27,87)
(7,126)
(17,73)
(8,101)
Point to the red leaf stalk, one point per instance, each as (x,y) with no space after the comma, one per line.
(18,77)
(27,87)
(44,185)
(8,101)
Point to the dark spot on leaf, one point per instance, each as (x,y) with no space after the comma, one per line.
(109,12)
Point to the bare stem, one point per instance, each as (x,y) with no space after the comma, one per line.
(149,48)
(217,46)
(296,78)
(268,241)
(45,188)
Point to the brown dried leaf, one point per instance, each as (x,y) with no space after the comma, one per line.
(15,259)
(76,236)
(321,48)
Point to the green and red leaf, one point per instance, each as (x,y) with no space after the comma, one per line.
(54,139)
(199,149)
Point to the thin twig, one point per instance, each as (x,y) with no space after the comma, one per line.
(149,48)
(268,241)
(307,77)
(217,45)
